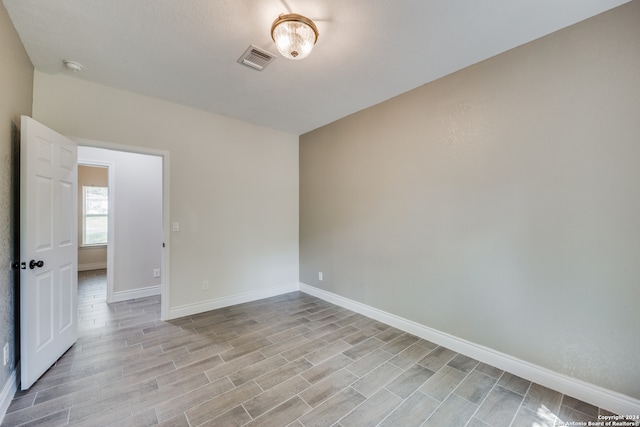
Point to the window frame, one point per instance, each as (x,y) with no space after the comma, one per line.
(84,243)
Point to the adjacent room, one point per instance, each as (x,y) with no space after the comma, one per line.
(417,213)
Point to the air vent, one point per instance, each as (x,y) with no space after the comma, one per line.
(256,58)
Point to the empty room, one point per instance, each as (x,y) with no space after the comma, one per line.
(320,213)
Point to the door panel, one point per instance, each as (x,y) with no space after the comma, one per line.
(67,290)
(44,331)
(48,237)
(44,215)
(67,218)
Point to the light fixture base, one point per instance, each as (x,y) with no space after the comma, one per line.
(72,65)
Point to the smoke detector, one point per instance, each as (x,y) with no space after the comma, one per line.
(72,65)
(256,58)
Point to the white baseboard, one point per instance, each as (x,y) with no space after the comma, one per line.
(610,400)
(213,304)
(92,266)
(135,293)
(8,391)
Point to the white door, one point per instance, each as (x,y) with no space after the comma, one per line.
(48,248)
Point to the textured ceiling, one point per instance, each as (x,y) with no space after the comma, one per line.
(185,51)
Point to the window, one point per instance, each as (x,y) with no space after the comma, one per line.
(95,214)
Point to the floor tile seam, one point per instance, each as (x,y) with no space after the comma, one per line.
(32,406)
(485,398)
(396,394)
(250,416)
(359,405)
(463,380)
(263,390)
(247,412)
(392,411)
(414,363)
(303,355)
(265,412)
(252,397)
(75,390)
(105,339)
(350,385)
(200,403)
(114,331)
(59,385)
(280,403)
(403,401)
(452,392)
(155,406)
(574,409)
(68,415)
(68,409)
(261,374)
(147,362)
(288,338)
(521,406)
(370,370)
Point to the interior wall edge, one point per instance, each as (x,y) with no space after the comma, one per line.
(135,293)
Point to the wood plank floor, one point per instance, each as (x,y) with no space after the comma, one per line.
(290,360)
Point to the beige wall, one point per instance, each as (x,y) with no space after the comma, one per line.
(233,186)
(90,257)
(499,204)
(16,77)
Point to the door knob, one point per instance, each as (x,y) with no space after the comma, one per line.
(33,264)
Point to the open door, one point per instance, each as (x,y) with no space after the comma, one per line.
(48,248)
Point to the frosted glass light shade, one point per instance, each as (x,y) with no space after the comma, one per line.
(294,35)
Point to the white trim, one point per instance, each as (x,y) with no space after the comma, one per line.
(8,391)
(214,304)
(92,266)
(135,293)
(610,400)
(89,247)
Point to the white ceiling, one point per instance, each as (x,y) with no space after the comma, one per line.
(185,51)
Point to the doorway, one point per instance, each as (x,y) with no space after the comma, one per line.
(95,224)
(135,250)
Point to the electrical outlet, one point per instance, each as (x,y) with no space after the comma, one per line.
(320,276)
(205,285)
(156,272)
(5,358)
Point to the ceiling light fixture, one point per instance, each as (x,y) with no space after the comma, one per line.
(295,35)
(72,65)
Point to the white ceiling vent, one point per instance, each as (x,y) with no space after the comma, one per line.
(256,58)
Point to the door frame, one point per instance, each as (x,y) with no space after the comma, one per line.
(165,253)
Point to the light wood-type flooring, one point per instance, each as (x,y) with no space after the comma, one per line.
(290,360)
